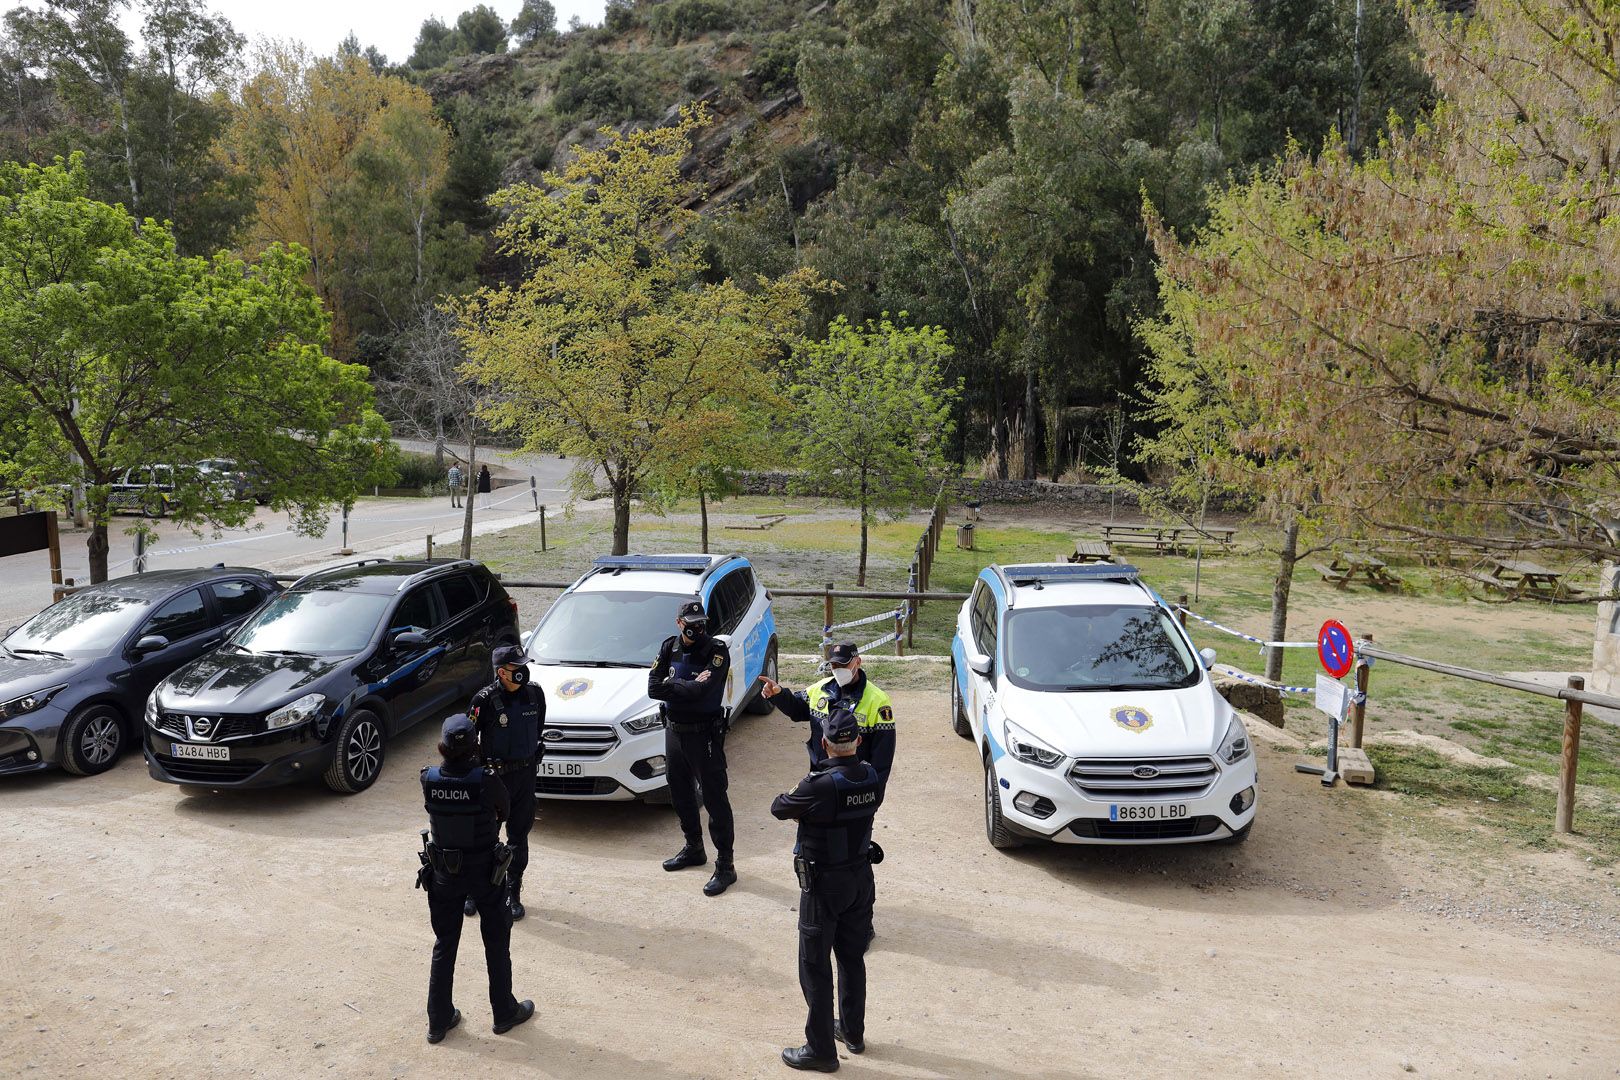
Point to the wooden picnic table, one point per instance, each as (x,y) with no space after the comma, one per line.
(1166,537)
(1347,566)
(1520,577)
(1089,551)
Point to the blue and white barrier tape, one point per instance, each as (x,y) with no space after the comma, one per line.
(892,635)
(879,617)
(1242,676)
(1262,642)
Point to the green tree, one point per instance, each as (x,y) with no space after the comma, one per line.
(613,349)
(435,45)
(874,416)
(535,22)
(135,354)
(480,30)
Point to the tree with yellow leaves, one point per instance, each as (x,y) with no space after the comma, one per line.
(613,348)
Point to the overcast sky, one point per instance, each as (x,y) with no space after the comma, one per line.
(390,25)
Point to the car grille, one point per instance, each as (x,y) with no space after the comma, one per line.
(575,785)
(225,727)
(1178,829)
(1144,778)
(580,740)
(207,772)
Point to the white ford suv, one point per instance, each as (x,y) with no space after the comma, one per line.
(1095,716)
(604,738)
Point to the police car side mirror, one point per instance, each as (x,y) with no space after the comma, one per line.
(151,643)
(410,639)
(980,663)
(1208,657)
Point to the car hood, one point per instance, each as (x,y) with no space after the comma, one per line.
(1160,723)
(244,682)
(592,694)
(23,675)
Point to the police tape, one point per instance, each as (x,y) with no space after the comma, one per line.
(1243,676)
(1262,642)
(879,617)
(892,635)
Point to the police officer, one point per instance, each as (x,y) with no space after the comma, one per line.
(833,858)
(689,677)
(511,713)
(848,686)
(465,806)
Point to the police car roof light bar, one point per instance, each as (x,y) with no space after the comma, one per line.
(1038,573)
(691,563)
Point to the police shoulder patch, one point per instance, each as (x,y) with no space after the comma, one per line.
(886,714)
(718,659)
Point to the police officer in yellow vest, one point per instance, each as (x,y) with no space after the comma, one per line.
(847,686)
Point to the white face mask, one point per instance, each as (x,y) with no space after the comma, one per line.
(843,676)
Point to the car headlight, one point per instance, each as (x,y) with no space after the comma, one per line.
(151,709)
(1236,746)
(305,708)
(650,722)
(1027,748)
(28,702)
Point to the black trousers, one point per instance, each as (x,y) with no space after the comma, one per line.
(835,920)
(697,767)
(494,923)
(520,790)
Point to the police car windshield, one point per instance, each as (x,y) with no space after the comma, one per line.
(1097,648)
(317,621)
(607,627)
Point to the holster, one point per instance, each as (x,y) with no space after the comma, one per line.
(503,860)
(445,861)
(874,854)
(424,874)
(805,871)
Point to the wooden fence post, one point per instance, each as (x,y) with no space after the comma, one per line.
(1181,608)
(1358,707)
(827,620)
(899,632)
(1566,766)
(542,526)
(430,547)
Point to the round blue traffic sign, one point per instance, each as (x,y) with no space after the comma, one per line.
(1335,649)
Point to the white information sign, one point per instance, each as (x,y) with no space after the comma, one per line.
(1332,696)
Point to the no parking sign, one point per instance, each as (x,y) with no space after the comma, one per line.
(1335,649)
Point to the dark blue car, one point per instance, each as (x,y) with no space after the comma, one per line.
(74,679)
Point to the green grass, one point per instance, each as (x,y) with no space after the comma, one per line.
(1495,798)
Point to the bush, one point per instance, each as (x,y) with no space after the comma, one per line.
(683,20)
(419,471)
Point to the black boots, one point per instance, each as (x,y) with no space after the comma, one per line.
(436,1035)
(799,1058)
(690,855)
(725,876)
(513,904)
(525,1010)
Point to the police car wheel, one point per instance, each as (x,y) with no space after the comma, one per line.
(91,740)
(995,828)
(959,720)
(760,705)
(358,753)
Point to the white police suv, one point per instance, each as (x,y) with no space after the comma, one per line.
(1095,717)
(604,738)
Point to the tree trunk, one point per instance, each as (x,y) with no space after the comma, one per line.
(860,577)
(621,513)
(1280,588)
(1032,427)
(472,491)
(703,511)
(98,546)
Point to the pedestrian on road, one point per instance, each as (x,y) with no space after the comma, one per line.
(833,859)
(689,677)
(456,484)
(465,805)
(510,714)
(483,485)
(848,686)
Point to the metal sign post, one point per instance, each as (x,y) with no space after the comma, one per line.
(346,550)
(534,493)
(1331,698)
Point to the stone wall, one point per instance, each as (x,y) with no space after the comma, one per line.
(1606,638)
(962,490)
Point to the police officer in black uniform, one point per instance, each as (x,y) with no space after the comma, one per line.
(689,677)
(833,858)
(465,806)
(510,714)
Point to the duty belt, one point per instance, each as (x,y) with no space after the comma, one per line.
(695,727)
(499,767)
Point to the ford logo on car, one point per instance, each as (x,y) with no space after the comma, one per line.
(552,735)
(1144,772)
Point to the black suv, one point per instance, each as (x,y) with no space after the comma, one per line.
(322,676)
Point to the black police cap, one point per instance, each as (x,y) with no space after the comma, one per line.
(692,611)
(841,726)
(509,654)
(458,732)
(843,653)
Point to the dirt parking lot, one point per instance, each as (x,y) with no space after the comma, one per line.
(151,933)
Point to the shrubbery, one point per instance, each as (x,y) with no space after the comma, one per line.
(683,20)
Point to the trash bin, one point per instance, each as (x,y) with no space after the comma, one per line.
(964,536)
(973,512)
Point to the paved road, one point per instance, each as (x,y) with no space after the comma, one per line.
(375,526)
(551,472)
